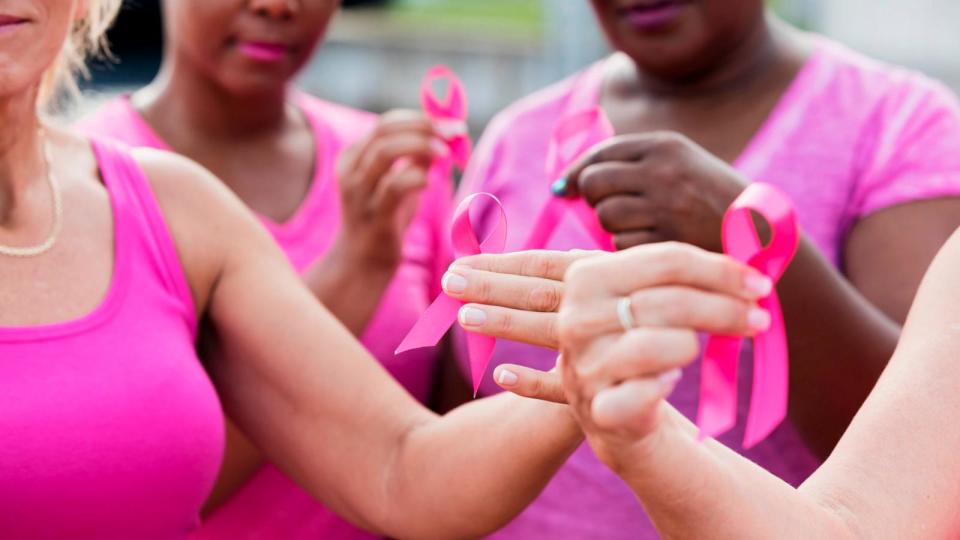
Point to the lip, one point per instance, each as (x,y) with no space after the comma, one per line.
(11,22)
(264,51)
(647,15)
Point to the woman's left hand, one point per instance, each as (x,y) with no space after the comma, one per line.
(657,187)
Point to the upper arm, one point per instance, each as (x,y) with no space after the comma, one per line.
(288,373)
(905,203)
(888,252)
(894,472)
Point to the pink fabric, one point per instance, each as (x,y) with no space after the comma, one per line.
(111,428)
(270,506)
(851,136)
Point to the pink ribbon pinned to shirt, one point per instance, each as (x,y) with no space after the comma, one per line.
(573,136)
(442,313)
(718,384)
(449,115)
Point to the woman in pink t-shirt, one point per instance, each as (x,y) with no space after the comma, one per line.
(367,237)
(140,300)
(706,97)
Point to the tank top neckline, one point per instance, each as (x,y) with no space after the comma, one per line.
(325,152)
(120,274)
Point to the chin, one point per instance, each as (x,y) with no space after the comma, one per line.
(253,84)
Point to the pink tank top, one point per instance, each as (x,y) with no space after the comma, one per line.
(111,428)
(270,505)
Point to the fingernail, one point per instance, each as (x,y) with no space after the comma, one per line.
(560,187)
(758,319)
(507,378)
(439,148)
(470,316)
(670,379)
(758,284)
(453,283)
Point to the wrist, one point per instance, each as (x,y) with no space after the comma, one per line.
(352,254)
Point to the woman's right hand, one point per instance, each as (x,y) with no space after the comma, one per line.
(380,178)
(617,378)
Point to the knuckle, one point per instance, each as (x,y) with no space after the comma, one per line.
(544,298)
(482,289)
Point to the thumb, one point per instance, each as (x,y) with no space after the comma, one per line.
(530,383)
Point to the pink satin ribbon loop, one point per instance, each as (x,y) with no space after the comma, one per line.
(442,313)
(449,114)
(718,386)
(573,136)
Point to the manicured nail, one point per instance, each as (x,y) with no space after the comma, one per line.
(453,283)
(670,379)
(507,378)
(758,319)
(471,316)
(560,187)
(758,284)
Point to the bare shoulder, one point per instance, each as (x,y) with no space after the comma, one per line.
(211,226)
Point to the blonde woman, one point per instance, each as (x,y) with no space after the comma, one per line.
(114,264)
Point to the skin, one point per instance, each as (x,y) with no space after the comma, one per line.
(284,368)
(685,101)
(233,115)
(891,475)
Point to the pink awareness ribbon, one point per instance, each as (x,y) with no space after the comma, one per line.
(449,116)
(442,313)
(718,384)
(573,136)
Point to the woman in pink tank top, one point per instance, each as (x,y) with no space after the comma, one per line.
(110,409)
(368,239)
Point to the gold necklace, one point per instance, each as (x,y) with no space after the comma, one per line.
(39,249)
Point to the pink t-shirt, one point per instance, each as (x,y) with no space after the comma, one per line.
(270,505)
(849,137)
(111,428)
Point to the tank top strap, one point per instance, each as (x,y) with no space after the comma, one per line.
(153,244)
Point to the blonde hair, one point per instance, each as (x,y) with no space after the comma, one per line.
(87,39)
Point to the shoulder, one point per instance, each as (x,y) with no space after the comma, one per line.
(539,111)
(857,81)
(347,123)
(115,119)
(210,226)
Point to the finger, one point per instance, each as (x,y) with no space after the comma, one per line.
(598,181)
(404,121)
(530,327)
(626,213)
(666,263)
(530,383)
(507,290)
(632,405)
(381,155)
(397,187)
(666,307)
(537,263)
(627,148)
(627,240)
(641,352)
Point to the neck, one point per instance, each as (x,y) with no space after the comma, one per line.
(21,156)
(185,101)
(745,63)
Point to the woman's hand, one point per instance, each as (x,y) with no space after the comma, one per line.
(515,296)
(615,377)
(380,177)
(656,187)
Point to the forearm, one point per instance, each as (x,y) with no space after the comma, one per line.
(473,471)
(349,288)
(824,312)
(694,489)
